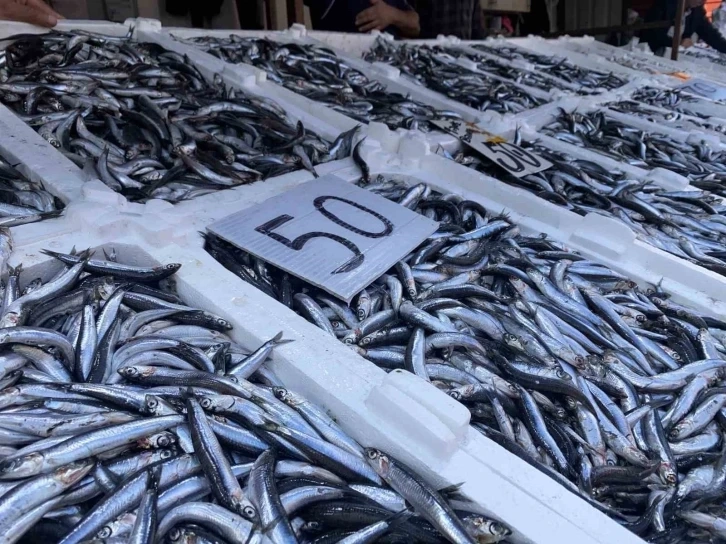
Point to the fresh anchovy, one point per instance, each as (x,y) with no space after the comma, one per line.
(658,107)
(611,389)
(435,68)
(704,167)
(688,224)
(147,119)
(557,66)
(319,74)
(94,457)
(23,201)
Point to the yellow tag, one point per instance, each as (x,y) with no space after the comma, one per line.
(680,75)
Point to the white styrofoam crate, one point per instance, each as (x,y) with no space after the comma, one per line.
(397,412)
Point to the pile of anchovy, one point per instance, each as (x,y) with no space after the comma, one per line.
(503,69)
(145,118)
(434,68)
(613,391)
(711,55)
(319,74)
(688,224)
(127,416)
(23,201)
(704,167)
(557,66)
(673,118)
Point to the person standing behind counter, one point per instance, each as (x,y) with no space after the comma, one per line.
(695,21)
(396,17)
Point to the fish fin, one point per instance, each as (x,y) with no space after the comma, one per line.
(448,490)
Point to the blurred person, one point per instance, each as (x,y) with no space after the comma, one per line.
(460,18)
(35,12)
(695,21)
(396,17)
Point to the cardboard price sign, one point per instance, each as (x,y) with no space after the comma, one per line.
(514,159)
(329,233)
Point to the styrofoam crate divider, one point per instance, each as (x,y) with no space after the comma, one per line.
(396,412)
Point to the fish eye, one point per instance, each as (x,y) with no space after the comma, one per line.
(152,403)
(106,532)
(175,534)
(206,403)
(372,454)
(163,441)
(165,454)
(249,512)
(455,395)
(279,392)
(233,379)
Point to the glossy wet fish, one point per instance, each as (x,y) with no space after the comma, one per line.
(687,224)
(585,78)
(704,166)
(611,389)
(23,201)
(137,438)
(436,69)
(319,74)
(145,120)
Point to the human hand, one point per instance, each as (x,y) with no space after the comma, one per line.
(377,17)
(35,12)
(686,42)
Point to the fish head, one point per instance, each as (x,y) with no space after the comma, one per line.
(164,439)
(73,472)
(379,461)
(21,467)
(135,372)
(668,474)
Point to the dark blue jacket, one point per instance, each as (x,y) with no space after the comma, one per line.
(341,15)
(695,23)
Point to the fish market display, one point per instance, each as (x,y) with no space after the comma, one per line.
(688,224)
(319,74)
(557,66)
(704,167)
(613,391)
(439,71)
(127,416)
(23,201)
(146,120)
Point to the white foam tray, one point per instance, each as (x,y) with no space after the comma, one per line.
(396,412)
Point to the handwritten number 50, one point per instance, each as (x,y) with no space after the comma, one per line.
(298,243)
